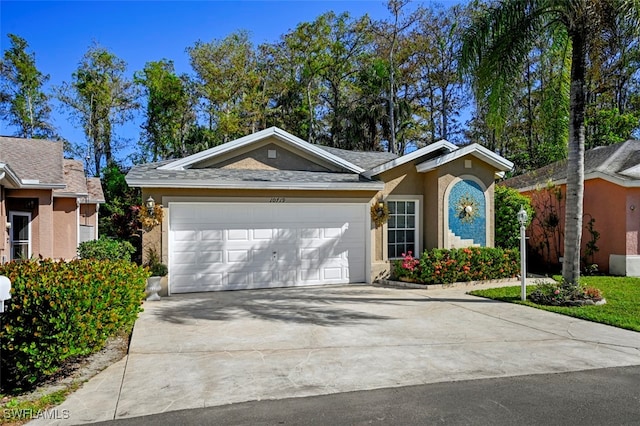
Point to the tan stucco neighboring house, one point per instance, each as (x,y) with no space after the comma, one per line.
(272,210)
(47,205)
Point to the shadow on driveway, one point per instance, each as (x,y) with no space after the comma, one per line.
(322,306)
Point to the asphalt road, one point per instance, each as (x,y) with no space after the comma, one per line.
(595,397)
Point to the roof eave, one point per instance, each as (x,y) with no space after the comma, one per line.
(625,183)
(8,176)
(60,194)
(215,184)
(397,162)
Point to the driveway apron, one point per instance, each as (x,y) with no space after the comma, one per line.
(207,349)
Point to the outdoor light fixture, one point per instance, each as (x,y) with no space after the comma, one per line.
(522,218)
(150,204)
(381,205)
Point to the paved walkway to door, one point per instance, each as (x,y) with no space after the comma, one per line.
(207,349)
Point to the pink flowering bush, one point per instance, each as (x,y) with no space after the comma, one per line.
(442,266)
(407,268)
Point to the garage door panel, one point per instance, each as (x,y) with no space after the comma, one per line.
(331,233)
(263,277)
(211,235)
(238,278)
(263,234)
(310,274)
(333,273)
(236,256)
(185,235)
(309,233)
(238,235)
(207,257)
(237,246)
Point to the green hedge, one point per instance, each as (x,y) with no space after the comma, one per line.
(60,310)
(106,248)
(442,266)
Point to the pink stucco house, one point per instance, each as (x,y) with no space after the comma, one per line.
(611,208)
(47,204)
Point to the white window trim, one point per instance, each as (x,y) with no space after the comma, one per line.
(418,228)
(29,241)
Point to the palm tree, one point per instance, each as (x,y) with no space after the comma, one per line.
(497,42)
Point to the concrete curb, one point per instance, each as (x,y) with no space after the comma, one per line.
(464,284)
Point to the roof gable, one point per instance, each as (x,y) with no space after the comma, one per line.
(312,152)
(427,151)
(498,162)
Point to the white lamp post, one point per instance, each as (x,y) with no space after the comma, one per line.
(522,218)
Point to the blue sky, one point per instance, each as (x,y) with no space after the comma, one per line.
(60,32)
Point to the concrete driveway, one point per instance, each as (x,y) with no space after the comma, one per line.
(201,350)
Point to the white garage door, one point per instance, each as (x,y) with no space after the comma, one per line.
(232,246)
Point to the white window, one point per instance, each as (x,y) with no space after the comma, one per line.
(402,234)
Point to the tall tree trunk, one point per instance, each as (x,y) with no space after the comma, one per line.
(575,163)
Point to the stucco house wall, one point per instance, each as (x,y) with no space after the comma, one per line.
(65,232)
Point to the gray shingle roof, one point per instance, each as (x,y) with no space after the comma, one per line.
(621,161)
(364,159)
(150,172)
(94,188)
(89,190)
(33,159)
(74,178)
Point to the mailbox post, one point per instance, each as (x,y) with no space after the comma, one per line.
(5,291)
(5,294)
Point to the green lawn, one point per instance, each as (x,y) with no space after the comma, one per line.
(622,308)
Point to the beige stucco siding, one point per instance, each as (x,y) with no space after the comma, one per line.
(65,231)
(256,156)
(258,159)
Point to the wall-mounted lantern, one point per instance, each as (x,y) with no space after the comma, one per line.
(150,204)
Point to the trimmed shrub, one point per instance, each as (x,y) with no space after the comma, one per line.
(507,205)
(60,310)
(443,266)
(562,294)
(106,248)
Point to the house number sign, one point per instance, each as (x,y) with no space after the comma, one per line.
(277,200)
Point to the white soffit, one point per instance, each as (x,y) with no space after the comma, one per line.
(478,151)
(280,134)
(410,157)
